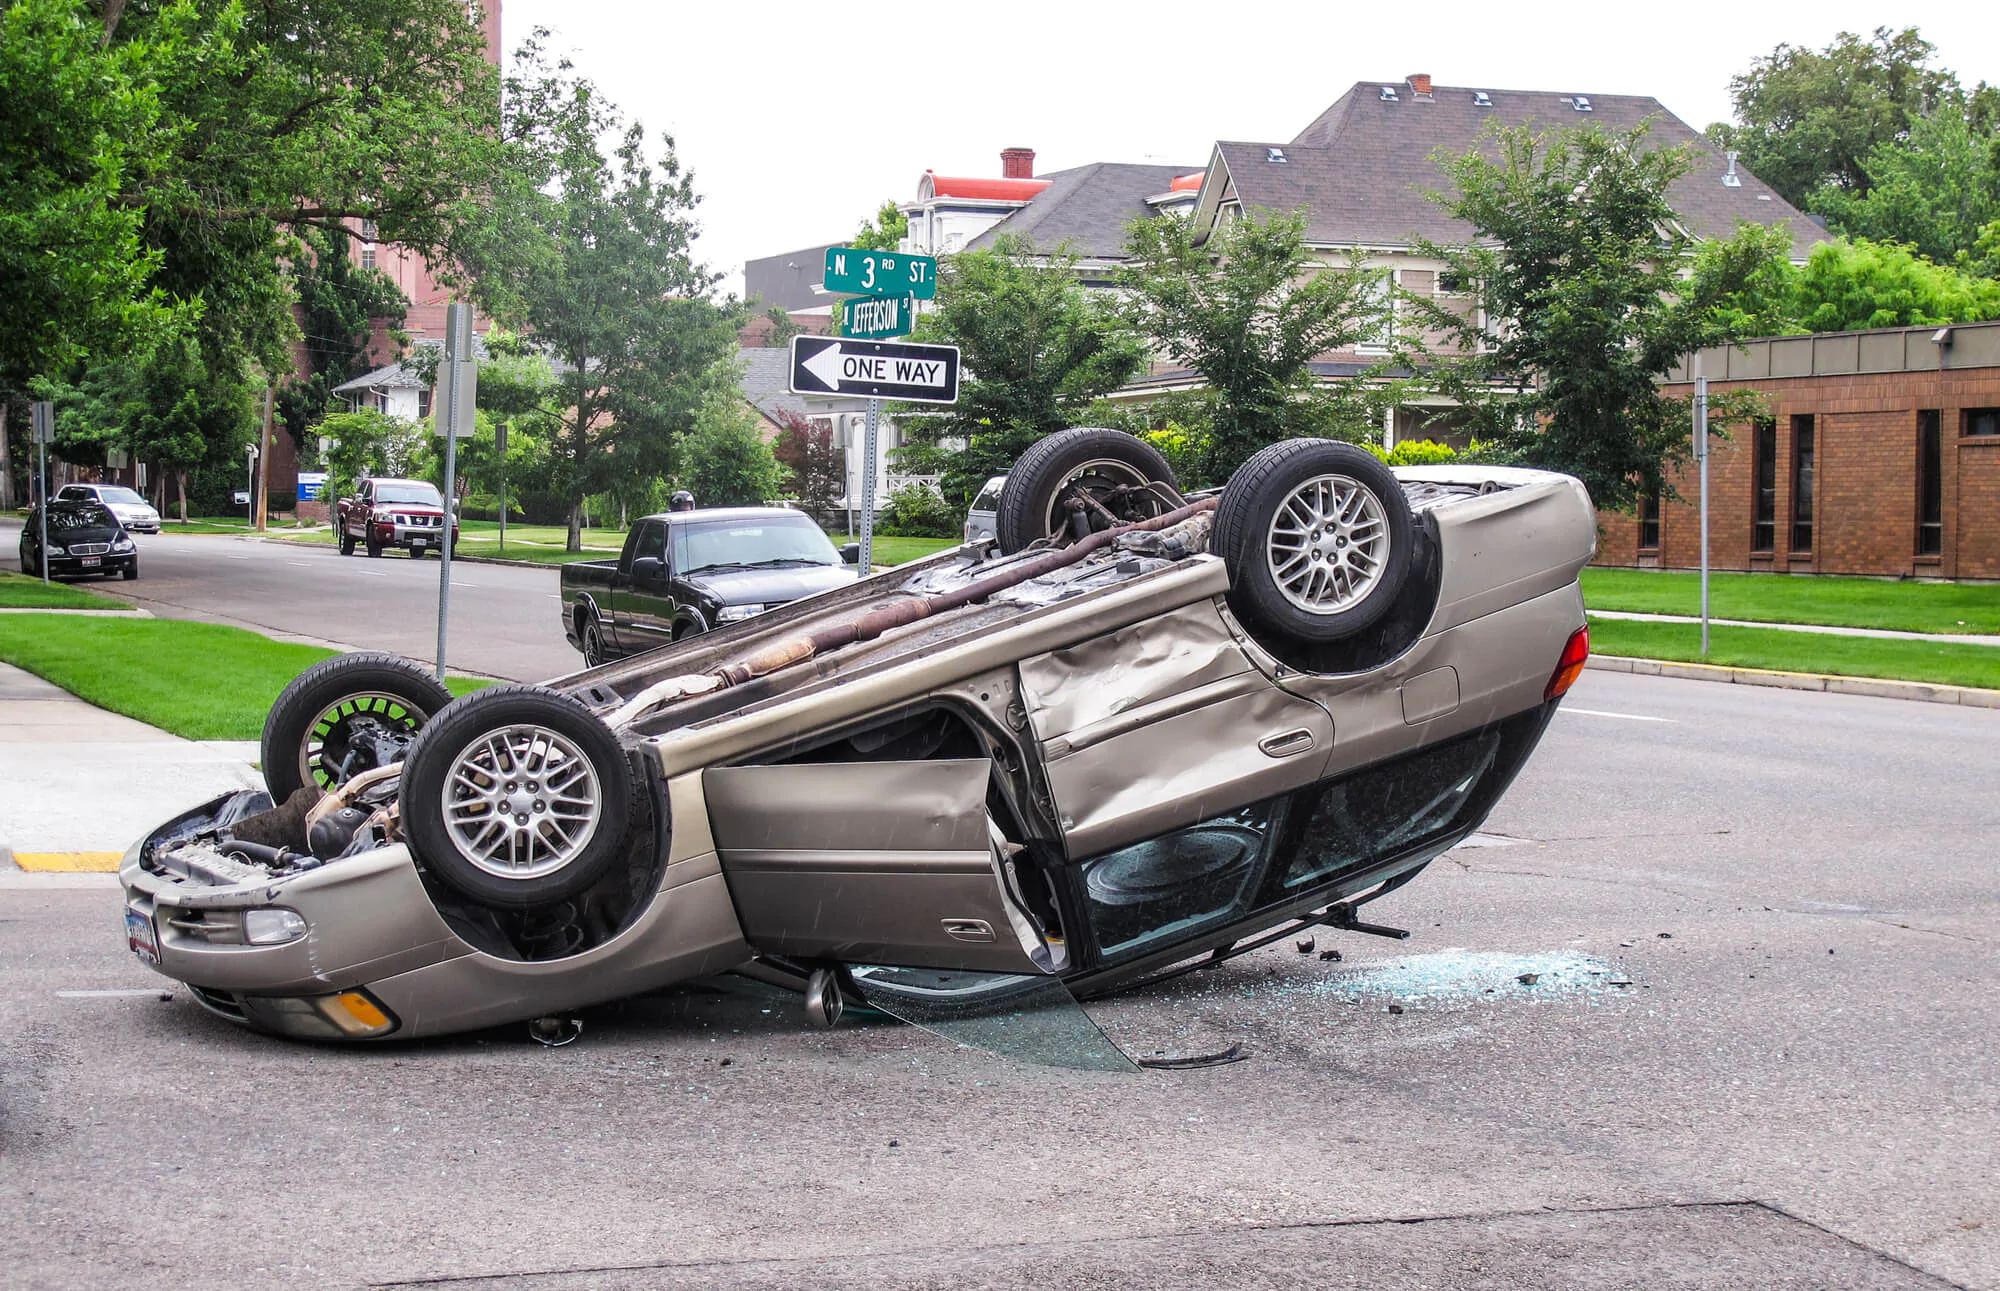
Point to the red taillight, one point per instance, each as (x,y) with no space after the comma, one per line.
(1575,651)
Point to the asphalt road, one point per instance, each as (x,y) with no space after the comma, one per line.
(1797,1088)
(504,619)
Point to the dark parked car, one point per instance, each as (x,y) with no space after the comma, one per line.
(688,571)
(85,540)
(1139,733)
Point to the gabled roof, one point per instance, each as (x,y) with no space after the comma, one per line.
(1088,208)
(978,187)
(402,376)
(1364,165)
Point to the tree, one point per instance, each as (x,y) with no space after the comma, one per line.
(725,461)
(1250,309)
(808,450)
(339,303)
(1807,119)
(1577,256)
(616,298)
(367,443)
(1933,190)
(1036,349)
(1850,285)
(889,227)
(783,328)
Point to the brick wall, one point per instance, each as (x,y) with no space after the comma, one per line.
(1866,479)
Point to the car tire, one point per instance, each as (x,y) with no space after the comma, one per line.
(416,553)
(130,572)
(592,643)
(1093,459)
(1318,538)
(309,727)
(374,547)
(346,543)
(483,815)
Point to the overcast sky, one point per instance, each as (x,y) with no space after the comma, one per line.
(798,119)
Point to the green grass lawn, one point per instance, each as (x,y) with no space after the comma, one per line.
(1783,651)
(901,551)
(22,591)
(1800,598)
(540,544)
(220,524)
(197,680)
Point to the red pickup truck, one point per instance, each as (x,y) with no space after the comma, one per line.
(392,513)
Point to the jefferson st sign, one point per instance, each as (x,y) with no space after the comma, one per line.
(841,365)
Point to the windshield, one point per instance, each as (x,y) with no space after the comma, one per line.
(421,494)
(122,496)
(989,496)
(733,544)
(79,515)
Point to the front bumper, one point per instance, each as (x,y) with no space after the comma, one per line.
(76,566)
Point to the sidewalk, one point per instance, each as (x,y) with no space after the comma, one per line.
(1890,634)
(83,784)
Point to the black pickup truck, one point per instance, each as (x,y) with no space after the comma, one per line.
(688,571)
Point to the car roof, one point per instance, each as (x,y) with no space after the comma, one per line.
(726,513)
(394,479)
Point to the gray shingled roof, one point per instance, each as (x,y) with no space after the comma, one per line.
(1088,208)
(400,376)
(1364,165)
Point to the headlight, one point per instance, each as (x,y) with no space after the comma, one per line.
(123,544)
(272,926)
(57,549)
(737,613)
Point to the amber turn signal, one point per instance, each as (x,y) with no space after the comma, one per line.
(1575,651)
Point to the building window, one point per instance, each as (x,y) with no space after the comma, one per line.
(1379,304)
(423,404)
(1930,483)
(1649,522)
(1982,421)
(1764,476)
(368,255)
(1802,482)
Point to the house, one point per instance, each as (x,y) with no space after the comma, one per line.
(1879,454)
(1086,211)
(1363,169)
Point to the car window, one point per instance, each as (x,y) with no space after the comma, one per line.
(415,494)
(779,540)
(79,515)
(1388,809)
(122,496)
(74,493)
(989,497)
(652,542)
(1165,888)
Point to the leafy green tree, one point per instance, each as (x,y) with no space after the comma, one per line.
(368,442)
(1037,348)
(616,300)
(812,456)
(1577,256)
(1933,190)
(889,227)
(1808,119)
(1859,284)
(339,304)
(725,461)
(916,510)
(1250,309)
(783,328)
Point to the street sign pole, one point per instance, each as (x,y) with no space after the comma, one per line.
(868,488)
(457,413)
(500,455)
(250,485)
(1701,456)
(44,422)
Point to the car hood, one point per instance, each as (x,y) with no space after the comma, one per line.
(770,586)
(83,533)
(123,509)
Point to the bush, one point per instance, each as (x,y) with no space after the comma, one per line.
(1416,452)
(919,511)
(285,501)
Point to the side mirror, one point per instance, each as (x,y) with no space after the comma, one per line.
(851,553)
(648,567)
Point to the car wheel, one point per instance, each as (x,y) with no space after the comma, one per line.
(1091,476)
(374,548)
(517,796)
(1318,537)
(346,543)
(346,715)
(416,553)
(593,644)
(131,572)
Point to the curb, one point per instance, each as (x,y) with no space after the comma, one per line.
(1874,687)
(134,613)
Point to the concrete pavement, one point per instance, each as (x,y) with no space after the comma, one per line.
(83,784)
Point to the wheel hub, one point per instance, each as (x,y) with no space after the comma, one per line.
(1328,544)
(521,802)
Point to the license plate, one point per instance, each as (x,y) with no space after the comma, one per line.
(141,937)
(92,562)
(420,542)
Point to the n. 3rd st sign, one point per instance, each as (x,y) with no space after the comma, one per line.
(851,271)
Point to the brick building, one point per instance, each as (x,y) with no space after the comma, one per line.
(1879,453)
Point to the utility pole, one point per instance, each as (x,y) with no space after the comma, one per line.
(44,421)
(1701,456)
(453,405)
(6,464)
(500,452)
(264,465)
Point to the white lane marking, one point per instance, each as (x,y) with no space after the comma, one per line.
(372,573)
(304,564)
(161,992)
(456,583)
(1630,717)
(234,557)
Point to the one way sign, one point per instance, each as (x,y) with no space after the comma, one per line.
(839,365)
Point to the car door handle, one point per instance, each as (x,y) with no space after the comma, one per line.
(1286,744)
(968,929)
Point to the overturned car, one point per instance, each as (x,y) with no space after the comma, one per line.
(1137,733)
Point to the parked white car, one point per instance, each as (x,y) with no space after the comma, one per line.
(132,510)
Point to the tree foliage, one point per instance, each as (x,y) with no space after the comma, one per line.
(809,452)
(339,303)
(616,299)
(1848,285)
(1250,309)
(725,461)
(1936,189)
(1036,347)
(883,233)
(1579,259)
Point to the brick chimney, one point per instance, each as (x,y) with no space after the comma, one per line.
(1420,85)
(1017,163)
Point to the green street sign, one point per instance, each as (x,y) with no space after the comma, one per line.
(877,316)
(850,271)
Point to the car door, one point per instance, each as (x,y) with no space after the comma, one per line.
(1164,724)
(645,603)
(871,863)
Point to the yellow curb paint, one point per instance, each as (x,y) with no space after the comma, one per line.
(69,862)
